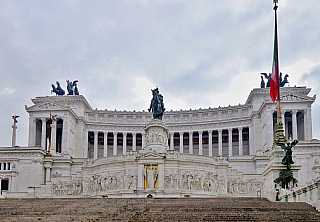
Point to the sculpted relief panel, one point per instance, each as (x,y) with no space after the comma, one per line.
(196,180)
(174,179)
(240,186)
(96,183)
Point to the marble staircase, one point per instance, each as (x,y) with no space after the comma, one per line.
(154,209)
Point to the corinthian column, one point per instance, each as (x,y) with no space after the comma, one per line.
(171,141)
(115,135)
(134,141)
(230,141)
(105,144)
(200,142)
(95,145)
(220,142)
(210,142)
(240,141)
(190,143)
(43,133)
(294,125)
(124,143)
(181,141)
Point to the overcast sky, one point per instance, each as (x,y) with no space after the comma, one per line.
(199,53)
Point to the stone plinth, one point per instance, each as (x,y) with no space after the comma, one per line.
(156,137)
(272,172)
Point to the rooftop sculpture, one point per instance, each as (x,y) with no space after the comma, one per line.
(268,78)
(71,87)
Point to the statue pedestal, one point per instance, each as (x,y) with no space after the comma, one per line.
(272,172)
(156,137)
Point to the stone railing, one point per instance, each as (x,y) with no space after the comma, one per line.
(309,193)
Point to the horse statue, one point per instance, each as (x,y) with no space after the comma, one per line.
(76,90)
(57,90)
(157,105)
(284,81)
(70,86)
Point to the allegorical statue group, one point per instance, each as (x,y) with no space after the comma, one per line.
(268,78)
(71,87)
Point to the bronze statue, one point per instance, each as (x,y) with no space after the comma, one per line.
(76,90)
(157,105)
(287,159)
(70,86)
(57,90)
(15,117)
(268,77)
(262,84)
(286,175)
(284,81)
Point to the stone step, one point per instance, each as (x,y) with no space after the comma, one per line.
(183,209)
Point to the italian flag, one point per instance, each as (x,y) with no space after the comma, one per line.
(274,84)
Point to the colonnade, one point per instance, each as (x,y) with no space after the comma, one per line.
(296,124)
(226,142)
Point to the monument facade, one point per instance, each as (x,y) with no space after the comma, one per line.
(212,152)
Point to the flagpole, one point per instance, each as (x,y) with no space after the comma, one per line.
(280,137)
(277,58)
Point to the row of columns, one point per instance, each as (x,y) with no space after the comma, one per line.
(210,141)
(307,123)
(115,145)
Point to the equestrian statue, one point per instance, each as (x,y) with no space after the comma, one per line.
(157,105)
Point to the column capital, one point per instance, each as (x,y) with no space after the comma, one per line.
(43,118)
(190,132)
(220,130)
(115,133)
(134,133)
(124,133)
(209,131)
(180,133)
(294,111)
(200,131)
(240,128)
(230,129)
(171,133)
